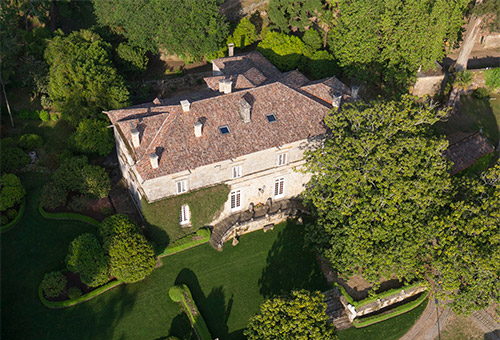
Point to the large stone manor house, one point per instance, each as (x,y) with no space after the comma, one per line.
(248,130)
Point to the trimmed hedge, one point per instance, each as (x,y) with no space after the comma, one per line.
(357,304)
(186,243)
(178,294)
(83,298)
(370,320)
(20,214)
(67,216)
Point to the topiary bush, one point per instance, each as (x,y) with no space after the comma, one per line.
(132,258)
(53,284)
(11,214)
(87,257)
(79,203)
(74,293)
(4,220)
(116,225)
(13,158)
(11,191)
(30,141)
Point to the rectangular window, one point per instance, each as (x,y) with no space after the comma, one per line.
(181,186)
(282,159)
(235,198)
(236,171)
(185,215)
(279,187)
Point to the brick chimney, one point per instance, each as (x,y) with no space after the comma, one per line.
(153,158)
(198,128)
(136,142)
(230,49)
(186,105)
(245,110)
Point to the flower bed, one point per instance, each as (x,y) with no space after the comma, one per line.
(82,298)
(67,216)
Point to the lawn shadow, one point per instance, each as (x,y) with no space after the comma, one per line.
(212,307)
(179,326)
(289,266)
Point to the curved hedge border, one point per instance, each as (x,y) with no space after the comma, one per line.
(67,216)
(16,219)
(186,243)
(177,294)
(83,298)
(370,320)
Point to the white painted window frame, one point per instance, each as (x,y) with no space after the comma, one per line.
(279,187)
(185,215)
(181,186)
(235,196)
(236,171)
(282,159)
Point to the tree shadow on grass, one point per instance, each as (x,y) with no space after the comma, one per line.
(289,266)
(212,307)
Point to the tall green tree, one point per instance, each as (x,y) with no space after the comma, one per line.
(83,81)
(294,15)
(377,181)
(467,247)
(394,38)
(301,316)
(190,29)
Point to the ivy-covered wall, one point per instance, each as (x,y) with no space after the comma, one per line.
(162,217)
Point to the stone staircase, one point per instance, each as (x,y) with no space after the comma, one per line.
(335,310)
(487,324)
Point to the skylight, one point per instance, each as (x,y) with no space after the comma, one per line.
(271,118)
(224,129)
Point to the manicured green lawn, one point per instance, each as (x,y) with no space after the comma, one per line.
(476,114)
(391,329)
(227,286)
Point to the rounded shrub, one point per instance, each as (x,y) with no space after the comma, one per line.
(13,158)
(176,293)
(114,226)
(30,141)
(93,136)
(11,214)
(86,257)
(4,220)
(11,191)
(53,284)
(132,258)
(74,293)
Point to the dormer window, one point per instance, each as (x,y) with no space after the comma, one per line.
(185,215)
(224,129)
(236,171)
(271,118)
(282,159)
(181,186)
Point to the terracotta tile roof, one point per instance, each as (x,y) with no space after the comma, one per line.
(325,89)
(293,79)
(465,152)
(242,63)
(169,131)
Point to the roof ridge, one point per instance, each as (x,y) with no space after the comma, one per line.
(154,138)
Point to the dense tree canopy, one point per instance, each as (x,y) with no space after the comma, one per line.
(394,38)
(378,180)
(11,191)
(132,258)
(83,81)
(301,316)
(86,257)
(93,136)
(467,250)
(293,15)
(244,34)
(190,29)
